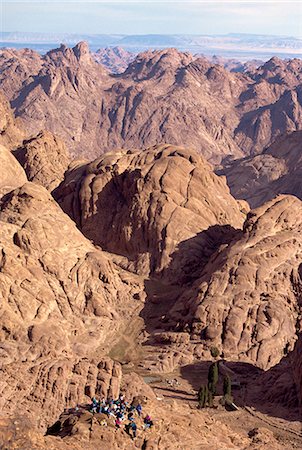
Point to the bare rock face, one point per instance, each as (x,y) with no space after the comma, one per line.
(18,69)
(141,205)
(44,159)
(10,133)
(277,170)
(163,96)
(246,300)
(61,304)
(63,95)
(167,96)
(115,59)
(11,174)
(271,104)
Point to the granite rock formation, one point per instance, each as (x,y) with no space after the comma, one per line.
(11,175)
(44,159)
(10,132)
(142,205)
(247,298)
(163,96)
(62,302)
(115,59)
(277,170)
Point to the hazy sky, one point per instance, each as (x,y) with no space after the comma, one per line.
(152,17)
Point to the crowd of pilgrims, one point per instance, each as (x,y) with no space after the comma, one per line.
(121,412)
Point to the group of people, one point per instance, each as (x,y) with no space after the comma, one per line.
(121,411)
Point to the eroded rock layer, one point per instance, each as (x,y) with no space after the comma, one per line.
(277,170)
(44,159)
(61,301)
(247,299)
(142,205)
(163,96)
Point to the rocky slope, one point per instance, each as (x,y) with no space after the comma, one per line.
(61,301)
(143,205)
(11,134)
(12,175)
(182,271)
(277,170)
(163,96)
(271,105)
(115,59)
(44,159)
(247,298)
(62,95)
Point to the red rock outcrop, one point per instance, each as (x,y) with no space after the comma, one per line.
(62,302)
(142,205)
(44,158)
(246,300)
(277,170)
(11,175)
(64,97)
(271,105)
(115,59)
(11,134)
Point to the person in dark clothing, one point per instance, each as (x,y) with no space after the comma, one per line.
(134,428)
(130,416)
(139,409)
(148,423)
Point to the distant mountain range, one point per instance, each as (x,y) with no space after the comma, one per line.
(241,46)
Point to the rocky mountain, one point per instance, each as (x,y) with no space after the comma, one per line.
(13,175)
(142,205)
(246,300)
(163,96)
(235,65)
(277,170)
(115,59)
(271,106)
(10,132)
(44,158)
(120,274)
(61,303)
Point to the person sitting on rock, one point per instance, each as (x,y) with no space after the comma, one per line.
(119,414)
(139,409)
(118,423)
(123,406)
(148,423)
(127,428)
(134,428)
(105,410)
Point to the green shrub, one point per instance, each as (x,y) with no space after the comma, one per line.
(227,385)
(202,396)
(214,352)
(213,378)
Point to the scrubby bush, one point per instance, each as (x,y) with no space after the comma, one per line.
(210,400)
(227,386)
(214,352)
(213,378)
(203,396)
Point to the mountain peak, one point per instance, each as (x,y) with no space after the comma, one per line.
(81,50)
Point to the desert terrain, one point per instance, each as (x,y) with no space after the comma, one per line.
(148,217)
